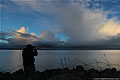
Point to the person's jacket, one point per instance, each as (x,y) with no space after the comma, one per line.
(28,56)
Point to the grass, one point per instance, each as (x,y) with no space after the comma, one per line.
(64,63)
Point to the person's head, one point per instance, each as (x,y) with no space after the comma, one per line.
(29,46)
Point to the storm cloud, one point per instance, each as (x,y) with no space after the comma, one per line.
(81,24)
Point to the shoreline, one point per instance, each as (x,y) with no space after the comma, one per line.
(63,49)
(69,48)
(77,73)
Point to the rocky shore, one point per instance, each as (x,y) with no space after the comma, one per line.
(78,73)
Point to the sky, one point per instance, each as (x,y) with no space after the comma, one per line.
(54,22)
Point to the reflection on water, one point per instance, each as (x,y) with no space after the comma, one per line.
(11,60)
(16,60)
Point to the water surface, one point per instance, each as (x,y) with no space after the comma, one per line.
(11,60)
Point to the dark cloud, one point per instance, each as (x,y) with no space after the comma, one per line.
(20,39)
(4,35)
(112,41)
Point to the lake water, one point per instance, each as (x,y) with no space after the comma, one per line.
(11,60)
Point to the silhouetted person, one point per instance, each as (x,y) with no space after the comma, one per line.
(28,60)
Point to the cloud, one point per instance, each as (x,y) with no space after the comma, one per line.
(48,36)
(3,6)
(74,18)
(33,34)
(80,23)
(21,37)
(110,28)
(111,41)
(5,35)
(22,30)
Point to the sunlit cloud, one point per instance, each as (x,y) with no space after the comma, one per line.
(30,39)
(33,34)
(22,37)
(22,30)
(110,28)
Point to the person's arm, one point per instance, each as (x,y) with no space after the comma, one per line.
(23,52)
(35,52)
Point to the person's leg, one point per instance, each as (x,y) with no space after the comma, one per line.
(26,71)
(32,70)
(29,71)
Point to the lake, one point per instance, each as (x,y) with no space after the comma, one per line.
(11,60)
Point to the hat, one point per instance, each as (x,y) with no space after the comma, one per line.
(29,46)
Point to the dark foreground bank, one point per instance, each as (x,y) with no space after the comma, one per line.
(77,73)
